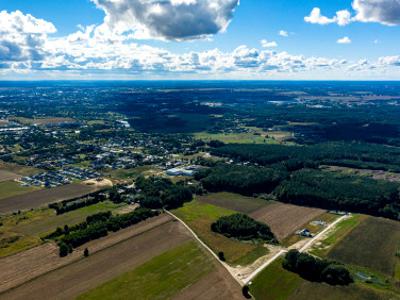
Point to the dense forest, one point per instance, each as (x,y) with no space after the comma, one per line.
(245,180)
(158,192)
(243,227)
(359,155)
(344,192)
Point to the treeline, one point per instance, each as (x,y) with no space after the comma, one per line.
(97,226)
(343,192)
(158,192)
(316,269)
(358,154)
(66,206)
(243,227)
(246,180)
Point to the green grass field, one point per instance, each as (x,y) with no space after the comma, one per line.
(12,188)
(275,283)
(125,174)
(233,138)
(199,216)
(160,278)
(372,244)
(23,231)
(234,202)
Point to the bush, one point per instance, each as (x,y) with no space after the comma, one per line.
(63,249)
(86,252)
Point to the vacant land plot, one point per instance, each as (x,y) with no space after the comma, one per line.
(87,273)
(18,169)
(199,216)
(43,121)
(236,138)
(275,283)
(7,175)
(160,278)
(234,202)
(341,230)
(373,244)
(42,197)
(284,219)
(12,188)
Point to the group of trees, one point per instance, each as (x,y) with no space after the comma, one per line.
(243,227)
(245,180)
(316,269)
(158,192)
(97,226)
(343,192)
(66,206)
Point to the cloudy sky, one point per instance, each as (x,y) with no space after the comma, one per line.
(200,39)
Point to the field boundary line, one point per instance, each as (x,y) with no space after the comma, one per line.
(225,265)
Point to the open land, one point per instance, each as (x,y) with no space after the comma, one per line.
(373,244)
(85,274)
(199,216)
(11,189)
(284,219)
(7,175)
(234,202)
(42,197)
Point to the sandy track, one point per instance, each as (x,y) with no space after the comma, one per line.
(42,197)
(284,219)
(27,265)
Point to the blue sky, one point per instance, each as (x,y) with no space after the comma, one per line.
(128,45)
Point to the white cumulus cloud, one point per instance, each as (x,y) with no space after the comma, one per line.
(168,19)
(344,40)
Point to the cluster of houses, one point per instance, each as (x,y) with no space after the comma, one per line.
(60,177)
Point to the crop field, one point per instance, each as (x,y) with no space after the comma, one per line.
(7,175)
(38,198)
(199,216)
(233,138)
(234,202)
(373,244)
(85,274)
(160,278)
(284,219)
(341,230)
(23,231)
(11,189)
(275,283)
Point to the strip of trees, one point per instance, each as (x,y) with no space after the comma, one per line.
(243,227)
(315,269)
(95,227)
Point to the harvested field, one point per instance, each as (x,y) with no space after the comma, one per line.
(7,175)
(234,202)
(219,284)
(284,219)
(87,273)
(42,197)
(372,244)
(43,121)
